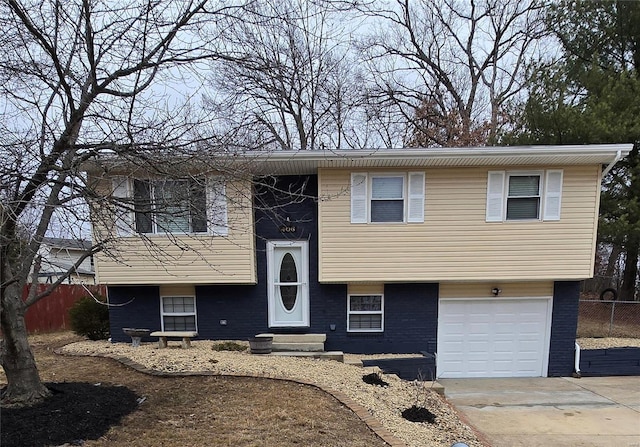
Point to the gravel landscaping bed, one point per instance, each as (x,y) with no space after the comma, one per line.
(383,403)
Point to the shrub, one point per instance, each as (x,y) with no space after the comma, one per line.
(89,318)
(229,346)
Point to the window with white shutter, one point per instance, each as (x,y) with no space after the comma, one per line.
(387,198)
(192,205)
(123,218)
(553,195)
(495,196)
(217,206)
(415,212)
(359,199)
(523,195)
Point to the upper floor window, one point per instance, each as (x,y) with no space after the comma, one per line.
(387,197)
(524,195)
(162,206)
(170,206)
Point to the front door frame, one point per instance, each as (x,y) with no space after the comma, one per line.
(303,281)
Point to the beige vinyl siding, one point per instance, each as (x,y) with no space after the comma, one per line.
(188,258)
(455,242)
(508,290)
(177,290)
(365,289)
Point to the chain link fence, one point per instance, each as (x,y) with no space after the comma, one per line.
(598,318)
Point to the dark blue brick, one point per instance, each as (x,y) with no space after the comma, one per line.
(564,324)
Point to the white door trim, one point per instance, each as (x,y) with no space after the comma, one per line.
(303,282)
(547,334)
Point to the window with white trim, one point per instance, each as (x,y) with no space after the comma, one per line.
(524,195)
(193,205)
(178,313)
(365,313)
(387,198)
(170,206)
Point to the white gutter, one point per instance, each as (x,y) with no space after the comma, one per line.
(612,164)
(576,365)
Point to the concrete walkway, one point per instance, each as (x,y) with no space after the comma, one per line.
(537,412)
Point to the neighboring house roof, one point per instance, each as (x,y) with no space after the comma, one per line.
(62,259)
(67,244)
(57,267)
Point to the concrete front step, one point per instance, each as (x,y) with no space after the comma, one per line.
(297,342)
(296,338)
(329,355)
(303,347)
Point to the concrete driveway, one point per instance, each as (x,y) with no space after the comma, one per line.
(536,412)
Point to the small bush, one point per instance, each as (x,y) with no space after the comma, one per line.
(89,318)
(229,346)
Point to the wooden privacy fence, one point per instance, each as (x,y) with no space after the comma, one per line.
(51,313)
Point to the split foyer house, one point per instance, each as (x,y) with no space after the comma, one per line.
(472,254)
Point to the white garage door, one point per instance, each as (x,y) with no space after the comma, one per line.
(493,338)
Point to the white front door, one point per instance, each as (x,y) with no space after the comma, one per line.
(288,283)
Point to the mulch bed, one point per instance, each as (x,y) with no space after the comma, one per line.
(73,413)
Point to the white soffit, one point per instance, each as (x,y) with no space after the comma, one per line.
(307,162)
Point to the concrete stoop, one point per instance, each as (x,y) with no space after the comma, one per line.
(338,356)
(302,345)
(297,342)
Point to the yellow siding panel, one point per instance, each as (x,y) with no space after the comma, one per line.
(455,243)
(177,290)
(365,289)
(508,290)
(186,259)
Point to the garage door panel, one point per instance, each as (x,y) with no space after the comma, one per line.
(492,338)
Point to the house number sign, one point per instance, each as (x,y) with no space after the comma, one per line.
(288,229)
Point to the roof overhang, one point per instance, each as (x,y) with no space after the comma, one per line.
(309,162)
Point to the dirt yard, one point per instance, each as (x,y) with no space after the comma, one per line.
(97,402)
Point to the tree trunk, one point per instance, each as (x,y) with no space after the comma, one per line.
(611,271)
(24,385)
(629,278)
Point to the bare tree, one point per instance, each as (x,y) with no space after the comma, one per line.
(292,82)
(451,63)
(78,78)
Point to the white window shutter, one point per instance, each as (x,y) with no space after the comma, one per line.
(122,192)
(359,197)
(495,196)
(217,215)
(416,197)
(552,195)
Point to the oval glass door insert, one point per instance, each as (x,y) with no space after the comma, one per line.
(288,274)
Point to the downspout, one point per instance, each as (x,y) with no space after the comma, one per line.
(612,164)
(576,366)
